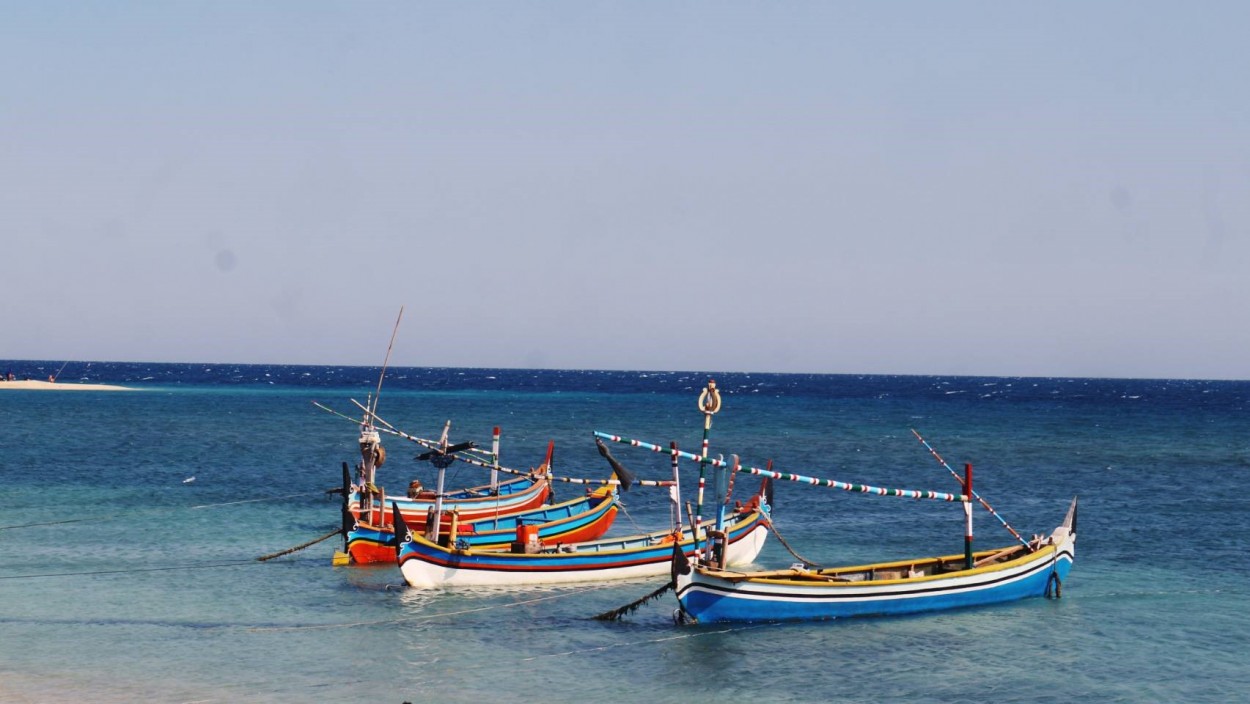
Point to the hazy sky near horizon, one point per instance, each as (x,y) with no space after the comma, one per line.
(1036,189)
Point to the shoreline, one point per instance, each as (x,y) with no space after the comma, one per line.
(54,386)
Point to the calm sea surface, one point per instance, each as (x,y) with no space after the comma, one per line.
(123,581)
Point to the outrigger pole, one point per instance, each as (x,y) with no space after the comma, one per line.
(388,428)
(974,494)
(787,476)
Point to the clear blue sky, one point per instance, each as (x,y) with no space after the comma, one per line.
(906,187)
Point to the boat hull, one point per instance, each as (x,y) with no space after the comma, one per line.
(712,596)
(474,504)
(581,519)
(426,565)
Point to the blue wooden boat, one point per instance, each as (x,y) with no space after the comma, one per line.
(584,518)
(709,594)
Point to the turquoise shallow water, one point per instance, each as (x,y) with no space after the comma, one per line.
(157,595)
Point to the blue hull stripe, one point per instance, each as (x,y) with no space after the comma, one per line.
(712,602)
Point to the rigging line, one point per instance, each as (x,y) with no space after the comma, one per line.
(624,510)
(975,495)
(427,617)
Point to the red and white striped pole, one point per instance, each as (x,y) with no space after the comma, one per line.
(494,460)
(968,561)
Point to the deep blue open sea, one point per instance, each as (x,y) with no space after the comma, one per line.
(123,582)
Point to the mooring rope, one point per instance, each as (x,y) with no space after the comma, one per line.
(786,545)
(650,641)
(228,563)
(427,617)
(301,546)
(157,511)
(494,665)
(621,612)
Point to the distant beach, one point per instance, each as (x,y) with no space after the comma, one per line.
(54,386)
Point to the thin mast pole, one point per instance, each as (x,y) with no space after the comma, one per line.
(709,405)
(373,409)
(440,462)
(968,561)
(674,491)
(494,460)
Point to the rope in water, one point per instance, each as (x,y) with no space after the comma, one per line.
(156,511)
(228,563)
(427,617)
(301,546)
(493,666)
(690,634)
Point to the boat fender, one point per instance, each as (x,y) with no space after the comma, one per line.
(379,456)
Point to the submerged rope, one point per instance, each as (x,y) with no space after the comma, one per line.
(426,617)
(227,563)
(157,511)
(618,613)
